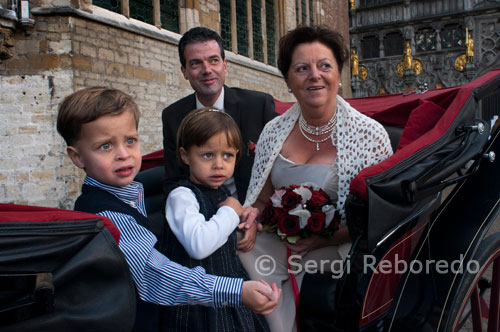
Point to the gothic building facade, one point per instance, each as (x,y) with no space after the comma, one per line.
(403,45)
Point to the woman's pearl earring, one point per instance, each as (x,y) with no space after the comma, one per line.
(289,90)
(340,85)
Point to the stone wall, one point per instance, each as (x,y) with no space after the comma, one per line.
(63,53)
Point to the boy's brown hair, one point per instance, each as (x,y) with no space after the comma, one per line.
(89,104)
(199,125)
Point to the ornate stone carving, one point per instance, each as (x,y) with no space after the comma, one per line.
(6,44)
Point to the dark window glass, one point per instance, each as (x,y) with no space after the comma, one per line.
(258,52)
(142,10)
(369,47)
(169,15)
(371,3)
(452,35)
(271,33)
(225,23)
(425,40)
(242,27)
(311,13)
(304,12)
(393,44)
(113,5)
(297,17)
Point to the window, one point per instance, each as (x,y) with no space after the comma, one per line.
(143,10)
(425,40)
(112,5)
(303,9)
(258,52)
(225,24)
(169,15)
(371,3)
(452,35)
(263,30)
(370,47)
(270,33)
(242,26)
(393,44)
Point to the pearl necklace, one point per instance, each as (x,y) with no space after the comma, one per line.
(317,131)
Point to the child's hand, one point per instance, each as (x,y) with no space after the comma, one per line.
(259,297)
(234,204)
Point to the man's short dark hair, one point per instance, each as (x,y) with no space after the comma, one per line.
(198,35)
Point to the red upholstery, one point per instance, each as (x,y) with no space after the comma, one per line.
(27,213)
(421,120)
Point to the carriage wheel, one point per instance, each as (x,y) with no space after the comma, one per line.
(477,304)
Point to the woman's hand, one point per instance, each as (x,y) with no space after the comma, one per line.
(303,246)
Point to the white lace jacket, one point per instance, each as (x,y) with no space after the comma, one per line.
(360,142)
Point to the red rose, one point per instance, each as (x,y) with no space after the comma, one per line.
(251,148)
(271,214)
(289,224)
(316,221)
(317,200)
(290,200)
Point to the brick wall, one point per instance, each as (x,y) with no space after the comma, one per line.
(62,54)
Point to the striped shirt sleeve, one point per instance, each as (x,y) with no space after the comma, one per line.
(162,281)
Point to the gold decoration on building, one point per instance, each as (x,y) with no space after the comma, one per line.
(354,63)
(469,45)
(460,62)
(352,4)
(363,72)
(400,69)
(408,60)
(417,67)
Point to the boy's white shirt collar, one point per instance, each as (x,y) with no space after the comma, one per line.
(219,103)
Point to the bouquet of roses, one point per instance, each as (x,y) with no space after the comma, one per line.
(299,211)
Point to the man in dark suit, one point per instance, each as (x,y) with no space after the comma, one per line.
(203,63)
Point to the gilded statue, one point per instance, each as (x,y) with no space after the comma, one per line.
(353,6)
(354,63)
(408,59)
(469,44)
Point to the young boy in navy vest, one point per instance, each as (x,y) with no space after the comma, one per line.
(100,126)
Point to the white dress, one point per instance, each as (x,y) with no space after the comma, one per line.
(270,247)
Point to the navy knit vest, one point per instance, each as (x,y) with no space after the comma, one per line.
(223,262)
(95,200)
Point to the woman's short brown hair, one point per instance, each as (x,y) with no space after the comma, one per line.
(89,104)
(199,125)
(308,34)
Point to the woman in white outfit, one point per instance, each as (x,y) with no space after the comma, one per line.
(320,139)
